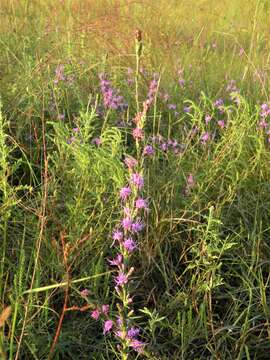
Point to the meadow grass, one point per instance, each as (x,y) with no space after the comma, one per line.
(75,76)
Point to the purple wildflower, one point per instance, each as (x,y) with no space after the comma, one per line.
(181,82)
(205,138)
(148,150)
(263,124)
(137,180)
(218,103)
(137,133)
(221,124)
(119,321)
(125,192)
(105,309)
(96,141)
(121,334)
(137,226)
(137,345)
(207,118)
(231,87)
(76,129)
(130,162)
(265,110)
(85,292)
(172,106)
(117,260)
(111,98)
(61,117)
(152,90)
(141,203)
(127,223)
(190,180)
(95,314)
(121,279)
(164,147)
(117,235)
(107,326)
(59,73)
(133,332)
(130,245)
(187,109)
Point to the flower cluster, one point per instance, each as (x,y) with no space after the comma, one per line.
(137,132)
(181,80)
(59,74)
(61,77)
(125,241)
(165,145)
(219,104)
(111,97)
(264,120)
(153,88)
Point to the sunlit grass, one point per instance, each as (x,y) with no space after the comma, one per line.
(201,281)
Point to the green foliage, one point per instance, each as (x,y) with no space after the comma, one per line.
(201,279)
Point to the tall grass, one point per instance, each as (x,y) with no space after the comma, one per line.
(200,288)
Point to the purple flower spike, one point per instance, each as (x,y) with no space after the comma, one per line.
(187,109)
(121,279)
(130,245)
(111,97)
(107,326)
(125,192)
(137,180)
(141,203)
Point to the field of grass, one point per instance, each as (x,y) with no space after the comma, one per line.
(134,179)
